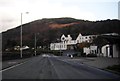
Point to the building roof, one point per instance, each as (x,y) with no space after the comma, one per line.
(114,39)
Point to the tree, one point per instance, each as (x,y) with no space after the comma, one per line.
(11,43)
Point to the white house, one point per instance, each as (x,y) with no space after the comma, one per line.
(58,46)
(86,50)
(19,48)
(24,48)
(106,51)
(110,50)
(93,49)
(90,50)
(67,41)
(87,38)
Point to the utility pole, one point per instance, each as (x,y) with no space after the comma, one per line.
(35,44)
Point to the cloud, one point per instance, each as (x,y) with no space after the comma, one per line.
(10,10)
(119,10)
(7,22)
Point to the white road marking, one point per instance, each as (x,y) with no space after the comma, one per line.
(11,67)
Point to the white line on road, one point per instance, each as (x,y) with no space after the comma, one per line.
(12,67)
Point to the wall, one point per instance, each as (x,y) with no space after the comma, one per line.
(93,49)
(116,51)
(106,50)
(86,50)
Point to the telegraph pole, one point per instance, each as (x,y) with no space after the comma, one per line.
(21,55)
(35,44)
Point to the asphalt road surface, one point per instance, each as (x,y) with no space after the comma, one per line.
(53,67)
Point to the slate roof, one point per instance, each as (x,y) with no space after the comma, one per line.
(111,39)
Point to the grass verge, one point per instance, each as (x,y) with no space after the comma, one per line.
(114,68)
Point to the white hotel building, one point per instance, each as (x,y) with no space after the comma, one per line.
(67,41)
(108,50)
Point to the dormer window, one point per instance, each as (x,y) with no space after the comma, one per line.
(63,38)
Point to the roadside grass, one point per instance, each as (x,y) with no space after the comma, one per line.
(115,68)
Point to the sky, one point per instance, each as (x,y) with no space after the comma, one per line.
(10,10)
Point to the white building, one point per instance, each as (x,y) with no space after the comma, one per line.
(67,41)
(24,48)
(110,50)
(86,50)
(90,50)
(58,46)
(17,48)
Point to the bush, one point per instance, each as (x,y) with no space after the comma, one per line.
(57,53)
(83,54)
(114,68)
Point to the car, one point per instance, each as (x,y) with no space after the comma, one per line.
(71,56)
(45,55)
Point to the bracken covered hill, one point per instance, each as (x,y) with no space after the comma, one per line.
(51,29)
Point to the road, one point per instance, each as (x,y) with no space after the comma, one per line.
(53,67)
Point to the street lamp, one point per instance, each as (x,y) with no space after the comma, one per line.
(21,35)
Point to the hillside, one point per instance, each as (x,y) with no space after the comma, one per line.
(51,29)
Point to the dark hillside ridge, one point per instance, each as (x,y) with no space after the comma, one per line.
(51,29)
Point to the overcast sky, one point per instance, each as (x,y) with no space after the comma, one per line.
(92,10)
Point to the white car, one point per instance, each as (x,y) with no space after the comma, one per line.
(71,56)
(45,55)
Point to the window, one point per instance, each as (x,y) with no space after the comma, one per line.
(93,37)
(95,51)
(63,39)
(74,41)
(92,51)
(77,41)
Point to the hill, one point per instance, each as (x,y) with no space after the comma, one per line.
(51,29)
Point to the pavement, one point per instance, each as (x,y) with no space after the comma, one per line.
(9,63)
(53,67)
(98,62)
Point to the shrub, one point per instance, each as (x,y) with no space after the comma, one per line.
(83,54)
